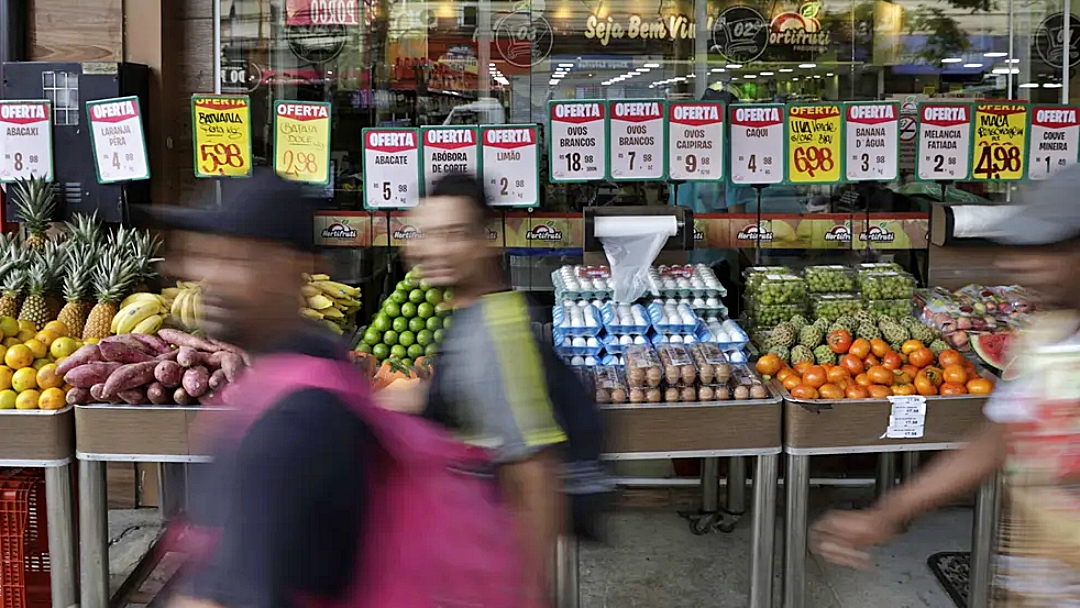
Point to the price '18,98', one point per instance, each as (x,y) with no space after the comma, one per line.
(575,161)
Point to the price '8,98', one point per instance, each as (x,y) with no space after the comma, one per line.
(811,159)
(216,156)
(994,159)
(20,160)
(300,162)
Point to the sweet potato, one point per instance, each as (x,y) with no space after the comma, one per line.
(130,340)
(179,338)
(181,397)
(88,353)
(133,396)
(232,348)
(78,396)
(196,381)
(157,394)
(232,365)
(89,374)
(153,343)
(97,392)
(217,379)
(122,352)
(189,357)
(132,375)
(169,356)
(169,373)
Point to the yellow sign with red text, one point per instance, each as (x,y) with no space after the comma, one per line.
(814,143)
(302,141)
(1001,132)
(221,126)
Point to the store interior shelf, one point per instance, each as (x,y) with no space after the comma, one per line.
(715,426)
(28,436)
(148,433)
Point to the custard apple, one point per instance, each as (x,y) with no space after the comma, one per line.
(868,331)
(822,354)
(782,352)
(782,335)
(811,336)
(822,324)
(937,346)
(801,353)
(798,322)
(923,333)
(894,333)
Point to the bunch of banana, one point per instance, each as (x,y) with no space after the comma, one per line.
(330,301)
(187,305)
(141,313)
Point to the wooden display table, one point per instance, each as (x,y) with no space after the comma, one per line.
(818,427)
(45,439)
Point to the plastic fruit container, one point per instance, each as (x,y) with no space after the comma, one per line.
(829,279)
(897,309)
(832,306)
(879,267)
(753,275)
(886,285)
(770,315)
(780,289)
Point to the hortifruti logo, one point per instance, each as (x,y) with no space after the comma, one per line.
(754,232)
(838,234)
(546,233)
(699,232)
(886,233)
(771,231)
(407,233)
(339,231)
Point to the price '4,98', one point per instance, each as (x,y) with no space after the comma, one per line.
(215,157)
(995,159)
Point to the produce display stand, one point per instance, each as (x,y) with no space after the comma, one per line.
(45,439)
(854,426)
(125,433)
(709,430)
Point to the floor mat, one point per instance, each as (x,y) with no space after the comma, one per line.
(953,571)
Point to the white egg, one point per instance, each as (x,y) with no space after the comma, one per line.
(675,339)
(577,361)
(590,321)
(624,340)
(596,303)
(712,303)
(699,303)
(639,340)
(576,322)
(582,303)
(579,341)
(590,360)
(567,341)
(696,282)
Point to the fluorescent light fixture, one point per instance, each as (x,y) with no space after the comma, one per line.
(651,65)
(718,70)
(733,66)
(552,83)
(734,77)
(973,65)
(786,70)
(1029,85)
(817,76)
(767,74)
(1052,85)
(795,79)
(995,54)
(807,66)
(679,79)
(558,76)
(566,65)
(951,60)
(750,76)
(491,65)
(642,70)
(1012,61)
(691,75)
(1006,70)
(829,75)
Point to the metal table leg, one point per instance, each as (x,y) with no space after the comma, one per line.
(736,485)
(710,485)
(797,486)
(909,462)
(886,473)
(568,587)
(93,535)
(62,547)
(764,530)
(982,541)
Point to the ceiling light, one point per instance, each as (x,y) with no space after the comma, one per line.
(734,77)
(733,66)
(1012,61)
(1052,85)
(718,70)
(566,65)
(995,54)
(679,79)
(552,83)
(818,76)
(829,75)
(973,65)
(1029,85)
(795,79)
(491,65)
(951,60)
(807,66)
(558,76)
(1006,70)
(786,70)
(642,70)
(651,65)
(767,74)
(750,76)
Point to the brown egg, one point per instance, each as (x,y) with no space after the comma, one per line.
(652,395)
(637,395)
(758,392)
(602,396)
(652,377)
(671,370)
(741,393)
(689,394)
(707,374)
(689,371)
(722,369)
(636,375)
(721,393)
(705,393)
(618,395)
(671,394)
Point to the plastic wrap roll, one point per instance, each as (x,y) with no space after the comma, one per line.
(979,221)
(639,225)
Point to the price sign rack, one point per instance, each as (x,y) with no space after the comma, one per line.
(765,138)
(871,148)
(943,143)
(1000,133)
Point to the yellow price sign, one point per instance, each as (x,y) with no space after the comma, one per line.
(1001,132)
(302,141)
(815,134)
(222,134)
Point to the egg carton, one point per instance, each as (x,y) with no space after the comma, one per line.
(728,335)
(616,343)
(575,287)
(615,317)
(677,319)
(700,304)
(700,334)
(580,360)
(577,320)
(570,345)
(686,281)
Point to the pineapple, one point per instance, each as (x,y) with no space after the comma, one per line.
(112,276)
(35,202)
(144,246)
(12,287)
(85,230)
(77,278)
(35,309)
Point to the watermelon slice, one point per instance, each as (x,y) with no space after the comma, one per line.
(991,348)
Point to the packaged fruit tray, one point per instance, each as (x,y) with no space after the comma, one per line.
(832,306)
(829,279)
(630,319)
(773,289)
(569,345)
(769,316)
(886,285)
(577,320)
(898,309)
(673,319)
(754,275)
(878,267)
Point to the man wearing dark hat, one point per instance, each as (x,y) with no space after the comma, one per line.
(1034,429)
(287,499)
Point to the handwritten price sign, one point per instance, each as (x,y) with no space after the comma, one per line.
(221,126)
(302,141)
(1001,133)
(814,143)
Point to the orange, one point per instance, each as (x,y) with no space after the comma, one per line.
(25,335)
(37,347)
(980,386)
(24,379)
(18,356)
(12,341)
(5,377)
(57,327)
(27,326)
(27,400)
(48,378)
(7,399)
(46,337)
(40,363)
(52,399)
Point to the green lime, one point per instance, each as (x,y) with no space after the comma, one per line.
(433,296)
(364,348)
(431,350)
(407,362)
(424,284)
(390,337)
(381,323)
(416,296)
(372,337)
(408,310)
(438,335)
(446,322)
(400,296)
(416,324)
(443,308)
(381,351)
(425,310)
(392,309)
(407,338)
(400,324)
(409,282)
(424,337)
(414,273)
(415,351)
(448,295)
(404,287)
(397,351)
(434,323)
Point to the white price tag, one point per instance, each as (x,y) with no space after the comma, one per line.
(695,140)
(578,136)
(391,168)
(25,140)
(449,150)
(511,165)
(636,150)
(1054,139)
(757,144)
(116,135)
(873,141)
(944,142)
(907,418)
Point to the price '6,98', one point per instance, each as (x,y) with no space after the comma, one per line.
(811,159)
(216,156)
